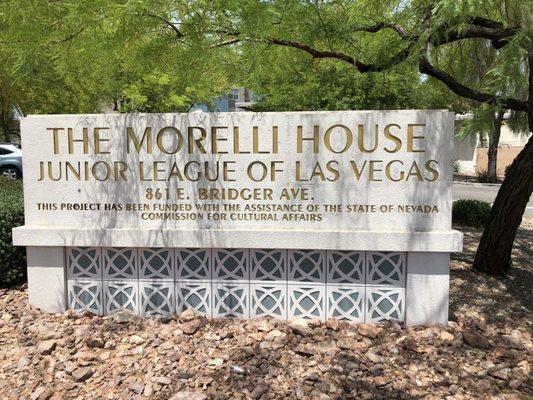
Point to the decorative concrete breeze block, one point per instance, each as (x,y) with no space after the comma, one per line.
(230,300)
(350,285)
(156,264)
(196,296)
(85,296)
(268,265)
(157,298)
(268,300)
(306,301)
(193,264)
(84,263)
(121,295)
(346,302)
(119,263)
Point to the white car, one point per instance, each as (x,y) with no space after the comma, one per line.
(10,161)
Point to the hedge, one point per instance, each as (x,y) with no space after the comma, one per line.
(12,259)
(470,212)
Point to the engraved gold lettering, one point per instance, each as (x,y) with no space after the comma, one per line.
(215,139)
(432,170)
(198,142)
(131,137)
(394,138)
(361,139)
(348,138)
(55,136)
(84,140)
(411,138)
(300,139)
(98,140)
(175,134)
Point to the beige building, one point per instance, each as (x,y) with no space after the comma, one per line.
(470,154)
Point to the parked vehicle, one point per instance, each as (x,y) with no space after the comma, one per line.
(10,161)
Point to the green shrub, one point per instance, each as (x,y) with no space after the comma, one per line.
(470,212)
(12,259)
(456,167)
(483,177)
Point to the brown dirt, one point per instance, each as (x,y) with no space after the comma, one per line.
(491,297)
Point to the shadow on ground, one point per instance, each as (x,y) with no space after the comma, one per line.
(492,297)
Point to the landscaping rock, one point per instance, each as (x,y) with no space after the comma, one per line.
(513,341)
(500,373)
(187,315)
(82,374)
(475,339)
(95,341)
(259,358)
(46,347)
(259,390)
(191,327)
(163,380)
(300,327)
(135,339)
(123,317)
(369,331)
(186,395)
(136,387)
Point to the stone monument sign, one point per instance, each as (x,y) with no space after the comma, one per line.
(300,214)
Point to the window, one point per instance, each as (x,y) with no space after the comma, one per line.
(4,151)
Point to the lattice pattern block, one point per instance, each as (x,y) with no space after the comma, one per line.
(85,296)
(385,268)
(120,263)
(346,267)
(307,265)
(84,263)
(156,264)
(157,298)
(193,264)
(194,296)
(346,302)
(231,264)
(385,304)
(231,300)
(268,300)
(121,296)
(268,265)
(306,301)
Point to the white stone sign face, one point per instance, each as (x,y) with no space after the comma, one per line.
(309,171)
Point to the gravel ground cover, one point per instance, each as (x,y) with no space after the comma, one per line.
(485,352)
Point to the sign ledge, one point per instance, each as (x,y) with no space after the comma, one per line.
(433,241)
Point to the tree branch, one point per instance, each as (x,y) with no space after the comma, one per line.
(169,24)
(382,25)
(499,37)
(361,66)
(69,37)
(479,28)
(226,43)
(453,84)
(481,21)
(458,88)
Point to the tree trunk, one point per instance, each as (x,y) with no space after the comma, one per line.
(5,129)
(493,254)
(494,141)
